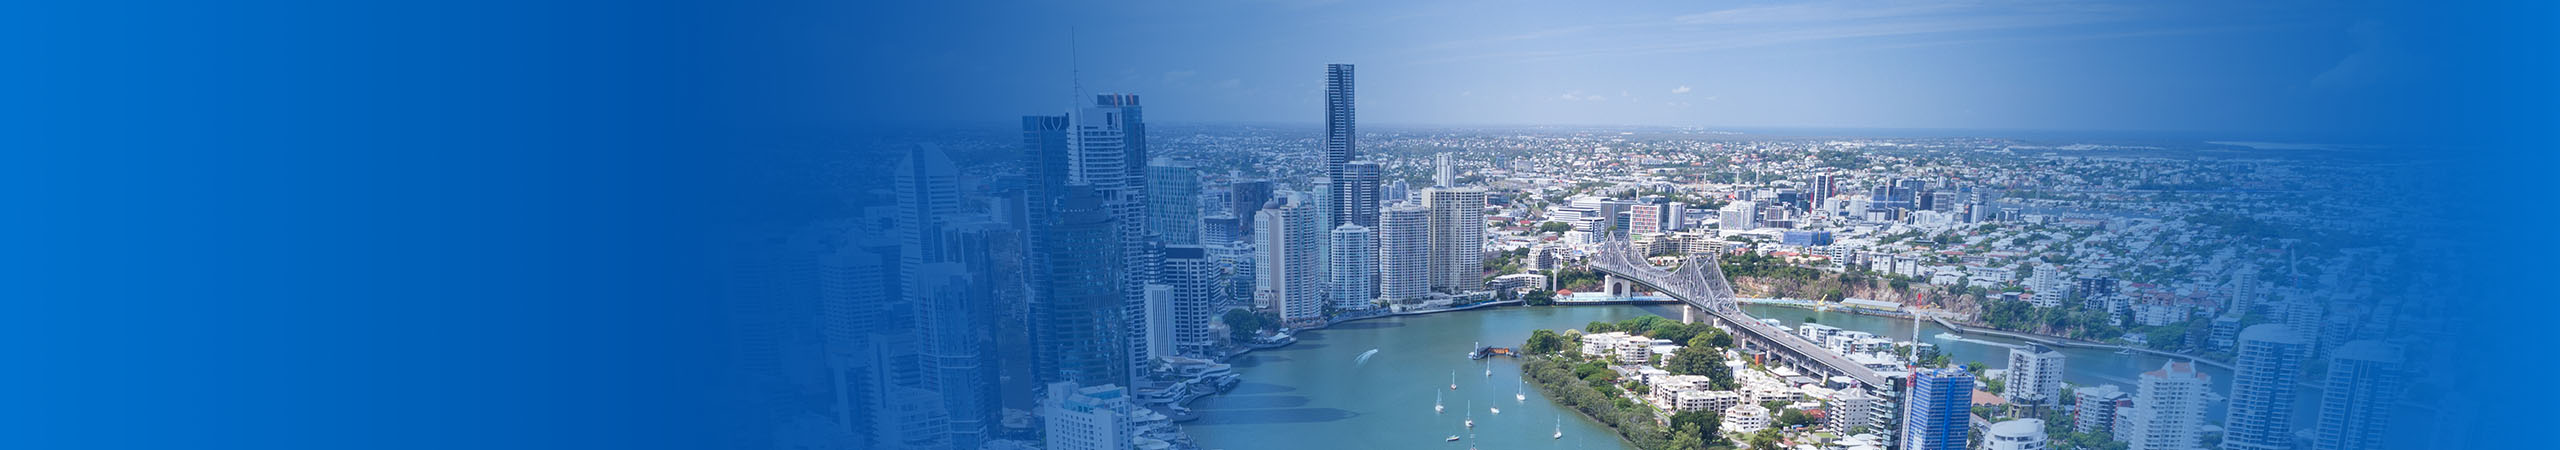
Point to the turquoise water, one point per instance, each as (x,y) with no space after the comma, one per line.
(1314,395)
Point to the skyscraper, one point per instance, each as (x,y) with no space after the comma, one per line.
(2035,375)
(949,314)
(1173,202)
(2266,364)
(2168,409)
(1341,146)
(1935,413)
(1404,252)
(1108,153)
(1286,239)
(927,187)
(1357,191)
(2357,399)
(1824,186)
(1341,121)
(1195,281)
(1246,198)
(1353,284)
(1080,324)
(1044,172)
(1457,238)
(1444,172)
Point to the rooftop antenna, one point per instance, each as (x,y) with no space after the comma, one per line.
(1075,69)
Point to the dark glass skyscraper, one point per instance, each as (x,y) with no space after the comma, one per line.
(1246,198)
(1079,324)
(1341,145)
(1173,203)
(1356,189)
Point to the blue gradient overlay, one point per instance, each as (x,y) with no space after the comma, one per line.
(482,224)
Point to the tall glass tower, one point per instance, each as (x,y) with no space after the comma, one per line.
(1341,145)
(1357,193)
(1939,406)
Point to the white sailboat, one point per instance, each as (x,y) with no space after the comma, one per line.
(1453,380)
(1559,428)
(1436,406)
(1520,392)
(1471,414)
(1496,410)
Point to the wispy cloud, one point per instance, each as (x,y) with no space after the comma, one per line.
(1680,90)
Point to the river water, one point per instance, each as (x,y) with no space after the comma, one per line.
(1316,394)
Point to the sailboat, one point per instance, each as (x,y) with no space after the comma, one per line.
(1519,392)
(1453,380)
(1495,410)
(1471,414)
(1436,407)
(1559,428)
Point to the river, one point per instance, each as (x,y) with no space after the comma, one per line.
(1315,395)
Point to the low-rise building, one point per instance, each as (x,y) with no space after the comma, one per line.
(1744,419)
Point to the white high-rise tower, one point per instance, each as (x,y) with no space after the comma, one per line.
(1353,282)
(2357,399)
(1457,238)
(2267,363)
(1404,252)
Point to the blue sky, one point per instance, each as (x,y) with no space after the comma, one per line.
(2187,66)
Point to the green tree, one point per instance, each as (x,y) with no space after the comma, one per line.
(1599,327)
(1794,418)
(1543,342)
(1241,324)
(1539,298)
(1685,438)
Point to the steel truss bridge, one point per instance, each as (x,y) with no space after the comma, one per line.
(1700,283)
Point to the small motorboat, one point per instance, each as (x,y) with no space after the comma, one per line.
(1452,438)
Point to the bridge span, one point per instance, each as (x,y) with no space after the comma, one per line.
(1700,284)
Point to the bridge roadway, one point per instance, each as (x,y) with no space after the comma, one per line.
(1700,283)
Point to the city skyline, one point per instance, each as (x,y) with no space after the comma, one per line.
(1753,224)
